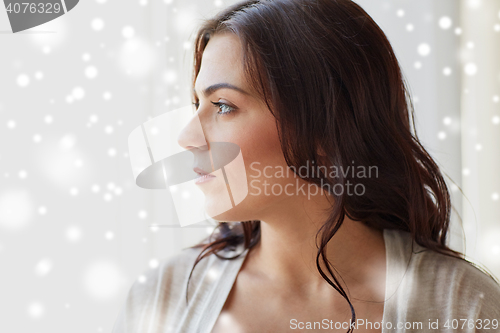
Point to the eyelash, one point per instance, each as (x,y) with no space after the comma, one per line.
(218,104)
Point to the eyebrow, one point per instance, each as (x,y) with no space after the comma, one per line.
(214,87)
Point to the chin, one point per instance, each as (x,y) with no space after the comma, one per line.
(227,217)
(225,212)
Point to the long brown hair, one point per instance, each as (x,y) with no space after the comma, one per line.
(331,79)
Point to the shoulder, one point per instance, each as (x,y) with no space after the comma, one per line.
(441,285)
(457,281)
(157,292)
(156,302)
(170,272)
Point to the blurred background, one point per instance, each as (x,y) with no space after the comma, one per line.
(75,230)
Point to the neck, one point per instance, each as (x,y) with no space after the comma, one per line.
(286,253)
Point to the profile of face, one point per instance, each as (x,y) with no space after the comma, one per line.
(233,113)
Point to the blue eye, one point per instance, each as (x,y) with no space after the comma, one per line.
(224,108)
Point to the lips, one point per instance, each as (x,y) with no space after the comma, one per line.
(201,172)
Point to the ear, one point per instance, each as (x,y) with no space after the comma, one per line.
(320,151)
(322,158)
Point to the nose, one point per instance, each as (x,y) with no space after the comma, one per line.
(192,135)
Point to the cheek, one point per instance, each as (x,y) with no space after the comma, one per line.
(262,147)
(249,182)
(263,157)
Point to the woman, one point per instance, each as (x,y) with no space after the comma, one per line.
(357,241)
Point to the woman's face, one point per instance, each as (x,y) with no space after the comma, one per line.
(242,119)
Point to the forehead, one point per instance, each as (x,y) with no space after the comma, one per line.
(221,62)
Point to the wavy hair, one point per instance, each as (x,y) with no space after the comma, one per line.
(330,77)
